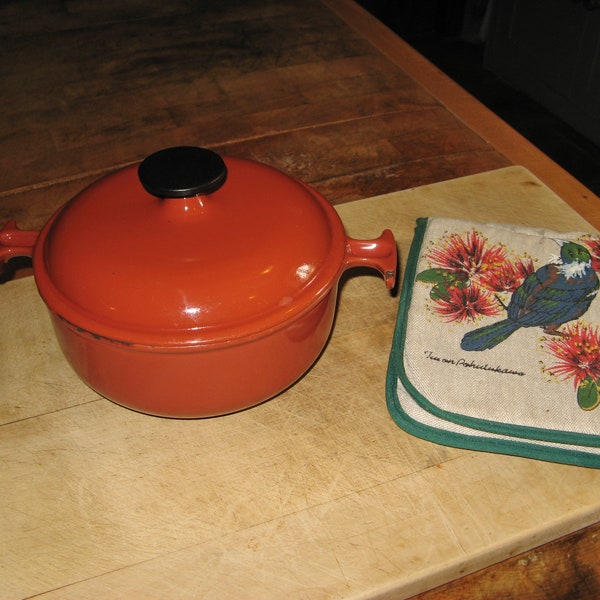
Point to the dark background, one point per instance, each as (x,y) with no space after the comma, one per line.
(451,34)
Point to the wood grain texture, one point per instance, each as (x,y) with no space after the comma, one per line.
(565,569)
(90,88)
(318,89)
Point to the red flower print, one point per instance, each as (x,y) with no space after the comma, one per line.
(577,353)
(507,277)
(467,254)
(466,304)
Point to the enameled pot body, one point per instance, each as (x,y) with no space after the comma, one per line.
(193,382)
(194,285)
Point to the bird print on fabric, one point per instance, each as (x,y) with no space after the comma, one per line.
(555,294)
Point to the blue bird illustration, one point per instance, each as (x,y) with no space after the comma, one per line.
(555,294)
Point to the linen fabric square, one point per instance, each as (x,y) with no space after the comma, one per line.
(497,342)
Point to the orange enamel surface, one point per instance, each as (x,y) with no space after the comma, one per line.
(197,306)
(193,383)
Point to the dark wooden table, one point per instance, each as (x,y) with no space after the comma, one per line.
(343,103)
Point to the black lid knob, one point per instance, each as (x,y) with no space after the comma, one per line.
(182,171)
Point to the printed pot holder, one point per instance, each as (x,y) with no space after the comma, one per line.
(497,341)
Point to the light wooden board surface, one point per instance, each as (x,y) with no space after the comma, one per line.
(314,494)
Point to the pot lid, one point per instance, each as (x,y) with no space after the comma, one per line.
(189,248)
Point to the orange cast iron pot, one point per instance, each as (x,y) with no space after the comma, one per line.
(194,285)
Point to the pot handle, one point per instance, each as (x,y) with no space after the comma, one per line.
(380,253)
(15,242)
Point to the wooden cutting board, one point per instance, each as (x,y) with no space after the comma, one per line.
(314,494)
